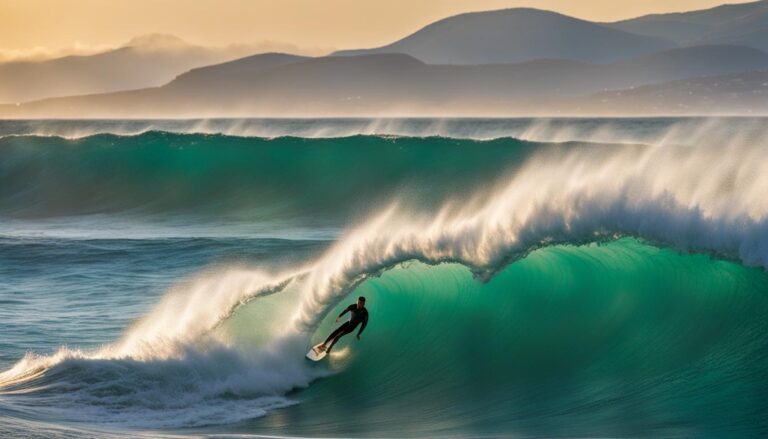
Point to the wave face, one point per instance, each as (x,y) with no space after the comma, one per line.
(166,173)
(515,287)
(617,340)
(54,169)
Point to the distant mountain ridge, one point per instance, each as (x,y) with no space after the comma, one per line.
(733,94)
(743,24)
(524,34)
(145,61)
(388,84)
(517,35)
(204,76)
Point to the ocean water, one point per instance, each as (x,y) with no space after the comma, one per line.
(525,277)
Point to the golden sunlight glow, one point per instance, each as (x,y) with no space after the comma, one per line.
(47,26)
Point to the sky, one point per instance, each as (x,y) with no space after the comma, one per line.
(30,28)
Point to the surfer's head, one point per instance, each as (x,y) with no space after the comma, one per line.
(360,302)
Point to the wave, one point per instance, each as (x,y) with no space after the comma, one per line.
(604,130)
(250,178)
(329,180)
(707,197)
(620,339)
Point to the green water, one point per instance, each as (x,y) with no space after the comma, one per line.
(621,339)
(165,173)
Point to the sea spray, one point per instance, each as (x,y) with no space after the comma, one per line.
(705,198)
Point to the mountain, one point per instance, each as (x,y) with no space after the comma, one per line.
(389,84)
(742,24)
(687,62)
(734,94)
(145,61)
(518,35)
(206,76)
(749,30)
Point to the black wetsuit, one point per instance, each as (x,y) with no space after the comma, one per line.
(358,316)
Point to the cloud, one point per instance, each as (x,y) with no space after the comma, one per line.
(277,46)
(39,53)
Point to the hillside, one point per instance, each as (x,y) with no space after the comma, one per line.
(146,61)
(275,85)
(517,35)
(741,24)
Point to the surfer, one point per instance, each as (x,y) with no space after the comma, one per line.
(358,315)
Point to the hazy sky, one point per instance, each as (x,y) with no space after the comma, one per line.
(41,25)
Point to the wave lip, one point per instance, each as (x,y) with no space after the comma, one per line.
(604,130)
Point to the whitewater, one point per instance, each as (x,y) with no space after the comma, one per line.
(566,277)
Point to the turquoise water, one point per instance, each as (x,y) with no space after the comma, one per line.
(169,283)
(287,178)
(622,339)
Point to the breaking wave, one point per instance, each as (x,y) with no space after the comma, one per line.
(520,217)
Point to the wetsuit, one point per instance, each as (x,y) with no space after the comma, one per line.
(358,316)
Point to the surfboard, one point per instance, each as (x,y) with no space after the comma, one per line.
(315,354)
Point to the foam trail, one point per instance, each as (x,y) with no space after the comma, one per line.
(182,321)
(172,368)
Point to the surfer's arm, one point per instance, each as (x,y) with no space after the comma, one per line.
(365,323)
(346,310)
